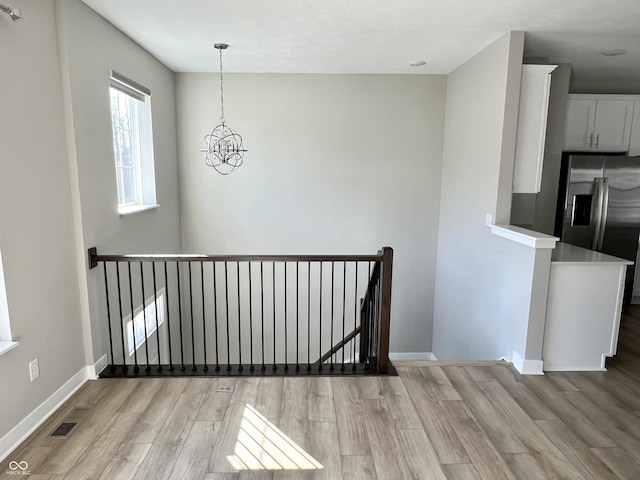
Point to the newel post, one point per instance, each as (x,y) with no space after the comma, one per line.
(385,309)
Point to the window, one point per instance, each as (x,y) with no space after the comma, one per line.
(132,144)
(6,342)
(150,313)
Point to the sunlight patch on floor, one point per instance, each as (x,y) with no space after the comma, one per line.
(262,446)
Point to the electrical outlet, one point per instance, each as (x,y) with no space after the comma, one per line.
(34,369)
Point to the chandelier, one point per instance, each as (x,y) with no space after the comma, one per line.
(224,149)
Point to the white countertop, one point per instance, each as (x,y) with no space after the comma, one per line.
(524,236)
(566,253)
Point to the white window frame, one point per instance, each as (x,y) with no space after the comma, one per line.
(141,135)
(139,318)
(6,340)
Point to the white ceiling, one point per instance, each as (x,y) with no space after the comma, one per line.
(376,36)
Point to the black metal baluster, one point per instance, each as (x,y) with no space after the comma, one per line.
(376,318)
(166,292)
(106,288)
(320,322)
(136,369)
(262,311)
(273,286)
(249,272)
(297,315)
(372,316)
(368,318)
(124,352)
(215,316)
(286,352)
(333,289)
(144,317)
(226,298)
(193,337)
(240,368)
(155,306)
(367,339)
(308,316)
(371,333)
(344,306)
(204,318)
(352,345)
(180,317)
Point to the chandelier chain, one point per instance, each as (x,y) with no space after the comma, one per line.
(222,119)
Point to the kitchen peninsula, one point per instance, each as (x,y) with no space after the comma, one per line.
(575,305)
(584,305)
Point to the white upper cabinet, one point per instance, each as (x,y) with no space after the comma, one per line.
(612,129)
(598,123)
(532,127)
(581,115)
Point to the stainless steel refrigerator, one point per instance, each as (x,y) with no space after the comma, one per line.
(602,206)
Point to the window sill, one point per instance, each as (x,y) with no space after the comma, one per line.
(6,346)
(135,209)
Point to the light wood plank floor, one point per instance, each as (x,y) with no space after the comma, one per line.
(441,421)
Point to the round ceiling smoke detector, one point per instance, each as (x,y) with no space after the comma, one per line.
(614,53)
(418,63)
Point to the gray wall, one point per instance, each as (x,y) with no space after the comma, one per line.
(483,282)
(36,221)
(58,188)
(90,48)
(606,83)
(336,164)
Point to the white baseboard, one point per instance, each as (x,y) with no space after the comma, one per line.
(93,371)
(526,367)
(516,360)
(581,368)
(411,356)
(37,417)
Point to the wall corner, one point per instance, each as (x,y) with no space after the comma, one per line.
(509,127)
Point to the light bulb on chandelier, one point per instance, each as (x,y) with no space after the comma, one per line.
(224,149)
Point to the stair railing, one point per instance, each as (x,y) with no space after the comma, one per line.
(241,314)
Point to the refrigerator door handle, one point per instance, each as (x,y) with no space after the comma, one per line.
(599,194)
(605,209)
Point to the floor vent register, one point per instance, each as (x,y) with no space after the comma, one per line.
(64,429)
(70,422)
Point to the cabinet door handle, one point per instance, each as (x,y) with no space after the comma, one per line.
(597,140)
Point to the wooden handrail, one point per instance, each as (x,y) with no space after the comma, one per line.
(94,258)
